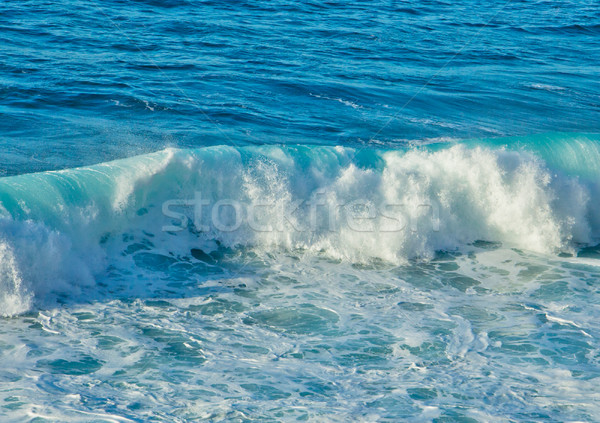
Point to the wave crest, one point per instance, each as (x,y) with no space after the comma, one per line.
(60,229)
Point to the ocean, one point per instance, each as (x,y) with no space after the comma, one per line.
(325,211)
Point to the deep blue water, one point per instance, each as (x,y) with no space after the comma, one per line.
(87,81)
(314,211)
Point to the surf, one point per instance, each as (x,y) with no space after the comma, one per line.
(60,230)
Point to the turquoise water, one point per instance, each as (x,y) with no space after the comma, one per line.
(322,211)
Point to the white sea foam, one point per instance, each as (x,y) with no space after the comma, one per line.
(60,229)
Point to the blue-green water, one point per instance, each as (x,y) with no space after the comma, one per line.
(320,211)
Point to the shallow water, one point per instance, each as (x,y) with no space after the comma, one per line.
(493,335)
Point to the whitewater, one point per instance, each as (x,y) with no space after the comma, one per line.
(481,306)
(62,229)
(323,211)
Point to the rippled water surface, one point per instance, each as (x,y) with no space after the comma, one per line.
(86,81)
(463,135)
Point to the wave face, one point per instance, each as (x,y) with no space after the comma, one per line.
(59,230)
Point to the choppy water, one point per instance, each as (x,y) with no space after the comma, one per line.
(322,211)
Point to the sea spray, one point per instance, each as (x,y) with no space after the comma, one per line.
(59,230)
